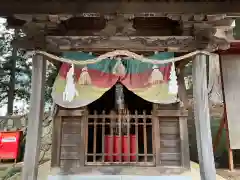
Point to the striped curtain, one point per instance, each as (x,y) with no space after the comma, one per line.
(77,86)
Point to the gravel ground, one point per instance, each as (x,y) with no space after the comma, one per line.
(222,174)
(235,175)
(194,173)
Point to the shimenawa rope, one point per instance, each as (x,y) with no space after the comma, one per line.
(122,53)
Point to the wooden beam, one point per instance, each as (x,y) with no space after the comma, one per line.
(110,7)
(171,113)
(202,119)
(56,142)
(185,158)
(129,42)
(149,32)
(156,135)
(73,112)
(97,43)
(34,128)
(145,43)
(234,48)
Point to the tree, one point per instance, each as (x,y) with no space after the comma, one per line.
(51,74)
(15,72)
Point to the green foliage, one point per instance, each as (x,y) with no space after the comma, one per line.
(22,71)
(51,75)
(23,65)
(236,30)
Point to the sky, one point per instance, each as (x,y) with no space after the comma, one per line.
(2,20)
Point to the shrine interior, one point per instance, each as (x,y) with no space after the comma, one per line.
(134,105)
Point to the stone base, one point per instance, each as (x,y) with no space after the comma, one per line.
(117,177)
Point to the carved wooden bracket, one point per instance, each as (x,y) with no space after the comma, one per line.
(207,31)
(212,35)
(119,25)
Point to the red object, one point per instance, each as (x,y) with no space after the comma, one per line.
(234,49)
(108,144)
(9,144)
(116,148)
(125,148)
(133,149)
(114,142)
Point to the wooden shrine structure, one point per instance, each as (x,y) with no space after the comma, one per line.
(142,27)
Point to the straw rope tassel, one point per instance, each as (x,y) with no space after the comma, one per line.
(85,78)
(173,86)
(156,75)
(119,67)
(70,89)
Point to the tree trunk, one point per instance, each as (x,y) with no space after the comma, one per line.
(12,81)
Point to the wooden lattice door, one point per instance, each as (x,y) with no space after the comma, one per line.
(117,139)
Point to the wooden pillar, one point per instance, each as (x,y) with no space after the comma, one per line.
(202,119)
(34,128)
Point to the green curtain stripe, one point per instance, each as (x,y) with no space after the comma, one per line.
(107,65)
(104,66)
(139,67)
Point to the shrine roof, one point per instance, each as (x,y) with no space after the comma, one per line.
(75,24)
(9,7)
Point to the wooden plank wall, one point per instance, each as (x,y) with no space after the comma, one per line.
(68,140)
(72,143)
(170,149)
(174,145)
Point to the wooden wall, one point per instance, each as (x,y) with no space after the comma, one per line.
(169,129)
(68,140)
(173,149)
(170,149)
(72,144)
